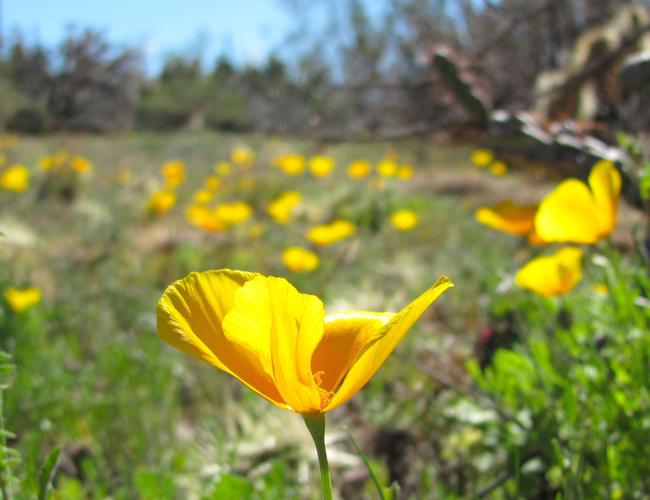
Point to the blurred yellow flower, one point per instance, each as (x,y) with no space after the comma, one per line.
(204,218)
(212,183)
(551,275)
(508,217)
(281,209)
(290,164)
(80,164)
(327,234)
(300,260)
(21,299)
(161,202)
(233,213)
(202,196)
(46,163)
(387,168)
(482,157)
(223,168)
(573,213)
(498,168)
(404,219)
(242,156)
(279,342)
(321,166)
(601,289)
(359,169)
(174,173)
(123,175)
(15,178)
(405,172)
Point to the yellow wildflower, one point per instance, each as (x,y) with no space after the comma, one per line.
(359,169)
(300,260)
(203,196)
(212,183)
(46,163)
(327,234)
(242,156)
(498,168)
(482,157)
(291,164)
(508,217)
(80,164)
(279,342)
(204,218)
(404,219)
(233,213)
(405,172)
(321,166)
(282,207)
(551,275)
(174,173)
(573,213)
(222,169)
(15,178)
(162,202)
(387,168)
(21,299)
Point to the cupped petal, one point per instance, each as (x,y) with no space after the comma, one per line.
(605,183)
(508,217)
(569,214)
(551,275)
(347,335)
(278,325)
(191,315)
(388,337)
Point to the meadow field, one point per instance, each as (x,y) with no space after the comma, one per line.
(497,392)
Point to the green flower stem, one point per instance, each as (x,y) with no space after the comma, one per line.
(316,426)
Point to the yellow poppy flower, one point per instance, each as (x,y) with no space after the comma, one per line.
(291,164)
(327,234)
(174,173)
(242,156)
(551,275)
(202,196)
(279,342)
(387,168)
(15,178)
(498,168)
(80,164)
(162,202)
(508,217)
(281,209)
(222,169)
(404,220)
(300,260)
(46,163)
(321,166)
(359,169)
(233,213)
(405,172)
(482,157)
(573,213)
(204,218)
(212,183)
(20,300)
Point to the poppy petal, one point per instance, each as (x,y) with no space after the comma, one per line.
(388,337)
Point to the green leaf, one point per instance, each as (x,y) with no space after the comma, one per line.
(46,473)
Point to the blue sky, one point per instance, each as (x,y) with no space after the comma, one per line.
(246,30)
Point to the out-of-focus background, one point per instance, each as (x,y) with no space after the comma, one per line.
(345,145)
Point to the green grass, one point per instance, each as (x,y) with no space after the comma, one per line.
(562,413)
